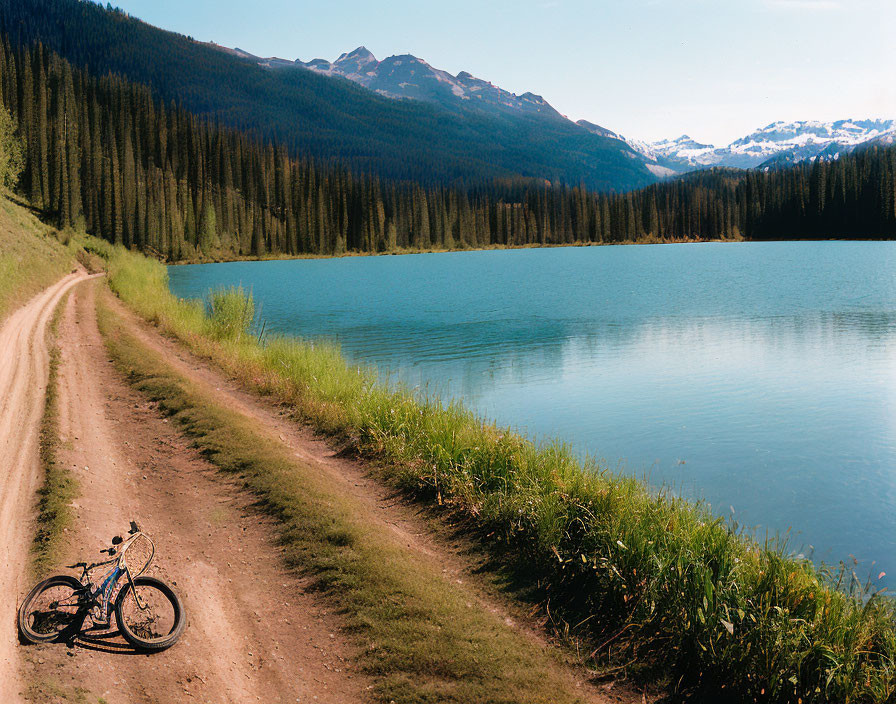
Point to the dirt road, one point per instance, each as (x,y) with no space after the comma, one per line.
(24,367)
(253,634)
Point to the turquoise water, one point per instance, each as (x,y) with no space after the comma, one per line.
(760,377)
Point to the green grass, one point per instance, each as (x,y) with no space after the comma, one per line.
(418,637)
(651,581)
(50,691)
(59,487)
(231,314)
(31,256)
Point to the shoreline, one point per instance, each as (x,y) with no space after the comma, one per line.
(405,252)
(496,248)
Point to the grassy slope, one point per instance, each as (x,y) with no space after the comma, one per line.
(31,258)
(418,637)
(653,578)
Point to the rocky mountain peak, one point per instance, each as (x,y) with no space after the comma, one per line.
(361,55)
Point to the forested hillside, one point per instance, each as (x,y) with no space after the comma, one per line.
(328,119)
(102,153)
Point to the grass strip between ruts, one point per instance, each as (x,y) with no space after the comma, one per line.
(418,637)
(59,487)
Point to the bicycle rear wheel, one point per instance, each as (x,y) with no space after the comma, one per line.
(156,621)
(50,609)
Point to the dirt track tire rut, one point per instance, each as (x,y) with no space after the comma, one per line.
(252,633)
(24,369)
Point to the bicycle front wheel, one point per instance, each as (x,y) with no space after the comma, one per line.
(153,619)
(50,609)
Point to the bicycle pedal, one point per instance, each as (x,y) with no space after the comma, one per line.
(100,622)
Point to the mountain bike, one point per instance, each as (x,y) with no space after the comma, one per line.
(148,612)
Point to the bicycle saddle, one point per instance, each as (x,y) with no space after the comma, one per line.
(76,566)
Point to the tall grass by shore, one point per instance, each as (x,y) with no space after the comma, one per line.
(648,579)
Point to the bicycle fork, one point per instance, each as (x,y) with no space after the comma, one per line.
(140,605)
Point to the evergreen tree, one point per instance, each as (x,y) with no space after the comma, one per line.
(12,151)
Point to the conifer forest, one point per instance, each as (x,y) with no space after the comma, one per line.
(102,153)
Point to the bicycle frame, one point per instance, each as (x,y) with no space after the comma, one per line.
(101,596)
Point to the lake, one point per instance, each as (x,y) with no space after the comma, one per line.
(760,377)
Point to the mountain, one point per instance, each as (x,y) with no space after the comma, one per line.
(317,114)
(777,144)
(655,162)
(400,117)
(684,152)
(406,76)
(409,77)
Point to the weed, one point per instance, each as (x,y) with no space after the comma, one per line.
(231,313)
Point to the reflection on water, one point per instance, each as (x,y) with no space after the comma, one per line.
(761,377)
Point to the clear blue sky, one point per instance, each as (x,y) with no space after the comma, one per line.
(714,69)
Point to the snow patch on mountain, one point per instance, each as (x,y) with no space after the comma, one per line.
(653,158)
(661,171)
(777,144)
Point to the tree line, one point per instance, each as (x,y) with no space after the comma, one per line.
(101,153)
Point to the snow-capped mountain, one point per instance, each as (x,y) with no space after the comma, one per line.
(406,76)
(409,77)
(654,160)
(473,120)
(777,143)
(684,149)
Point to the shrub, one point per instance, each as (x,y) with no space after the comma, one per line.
(231,313)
